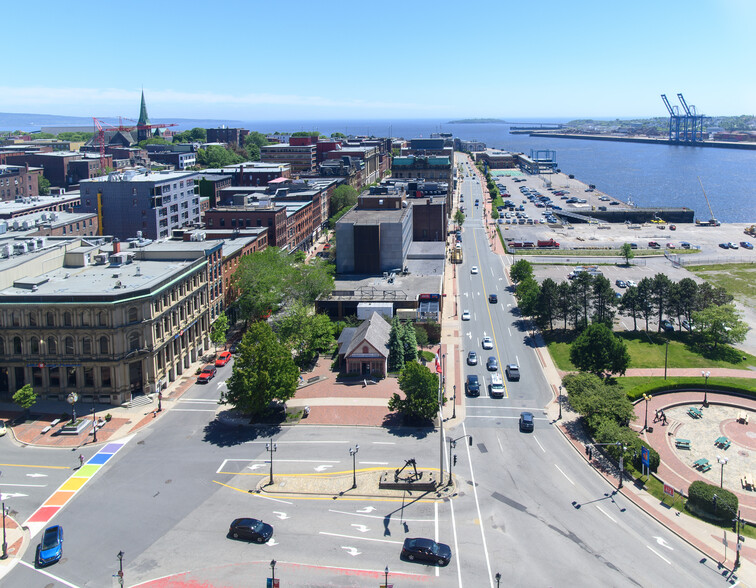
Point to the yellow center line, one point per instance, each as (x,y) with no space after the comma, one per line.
(44,467)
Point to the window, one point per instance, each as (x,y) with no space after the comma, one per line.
(134,342)
(105,377)
(54,377)
(69,346)
(86,346)
(37,377)
(102,320)
(2,346)
(71,377)
(67,319)
(32,319)
(17,345)
(85,319)
(34,346)
(52,346)
(50,320)
(16,319)
(133,316)
(88,377)
(104,345)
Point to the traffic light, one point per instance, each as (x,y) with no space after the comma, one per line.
(455,459)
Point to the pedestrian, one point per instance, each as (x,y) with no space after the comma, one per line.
(81,460)
(656,415)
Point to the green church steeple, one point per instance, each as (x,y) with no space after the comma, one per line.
(143,131)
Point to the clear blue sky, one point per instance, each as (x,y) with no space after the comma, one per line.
(293,59)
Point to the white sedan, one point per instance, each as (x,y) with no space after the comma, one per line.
(474,269)
(631,284)
(466,315)
(487,343)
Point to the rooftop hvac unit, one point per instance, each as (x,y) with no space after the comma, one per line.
(19,248)
(40,242)
(138,271)
(16,225)
(118,284)
(54,216)
(3,227)
(5,250)
(31,245)
(101,258)
(25,225)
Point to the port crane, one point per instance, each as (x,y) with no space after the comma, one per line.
(687,127)
(713,222)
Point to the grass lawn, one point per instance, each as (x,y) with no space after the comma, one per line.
(736,278)
(647,351)
(630,382)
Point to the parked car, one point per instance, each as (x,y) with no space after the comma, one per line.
(223,358)
(466,315)
(526,421)
(472,358)
(653,245)
(513,371)
(492,365)
(426,550)
(746,245)
(252,529)
(51,547)
(620,284)
(487,343)
(207,374)
(2,428)
(686,325)
(631,284)
(667,326)
(472,385)
(724,245)
(732,245)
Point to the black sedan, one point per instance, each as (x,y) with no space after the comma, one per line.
(251,529)
(426,550)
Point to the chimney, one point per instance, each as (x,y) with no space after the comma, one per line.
(116,245)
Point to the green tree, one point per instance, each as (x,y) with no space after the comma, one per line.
(627,252)
(630,305)
(521,270)
(396,347)
(459,218)
(645,298)
(409,341)
(264,371)
(217,156)
(219,330)
(660,295)
(153,141)
(421,336)
(306,134)
(582,285)
(420,387)
(528,292)
(252,144)
(683,296)
(309,281)
(565,302)
(596,401)
(44,186)
(338,136)
(603,301)
(719,324)
(260,280)
(546,306)
(598,350)
(306,332)
(75,136)
(195,135)
(343,196)
(25,397)
(706,295)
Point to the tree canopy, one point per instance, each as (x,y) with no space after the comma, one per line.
(597,401)
(219,329)
(342,197)
(420,387)
(305,332)
(598,350)
(195,135)
(521,270)
(217,156)
(25,397)
(263,371)
(719,324)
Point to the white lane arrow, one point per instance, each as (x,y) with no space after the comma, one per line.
(351,550)
(12,495)
(367,509)
(360,528)
(663,543)
(255,466)
(36,475)
(281,515)
(322,468)
(272,541)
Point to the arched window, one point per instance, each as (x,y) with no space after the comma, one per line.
(17,345)
(133,315)
(50,319)
(133,341)
(52,346)
(34,345)
(86,346)
(69,346)
(67,320)
(103,345)
(85,319)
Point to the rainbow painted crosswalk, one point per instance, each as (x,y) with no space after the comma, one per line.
(44,514)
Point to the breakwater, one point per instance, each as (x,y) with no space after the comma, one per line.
(651,140)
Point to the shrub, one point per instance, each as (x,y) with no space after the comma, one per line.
(693,383)
(701,501)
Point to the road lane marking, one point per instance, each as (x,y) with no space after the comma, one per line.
(176,409)
(24,465)
(477,506)
(296,442)
(362,538)
(48,574)
(435,524)
(255,494)
(539,443)
(24,485)
(660,556)
(493,416)
(369,516)
(565,475)
(606,514)
(384,442)
(456,544)
(663,543)
(499,442)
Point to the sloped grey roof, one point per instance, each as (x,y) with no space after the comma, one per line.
(345,338)
(375,331)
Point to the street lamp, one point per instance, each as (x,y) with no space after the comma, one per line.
(353,453)
(120,567)
(385,581)
(273,571)
(5,543)
(646,397)
(722,461)
(622,463)
(560,403)
(271,447)
(71,399)
(94,423)
(454,402)
(160,400)
(498,579)
(706,389)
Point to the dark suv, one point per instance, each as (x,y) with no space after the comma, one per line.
(472,385)
(493,298)
(526,421)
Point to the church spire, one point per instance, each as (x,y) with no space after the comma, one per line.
(143,125)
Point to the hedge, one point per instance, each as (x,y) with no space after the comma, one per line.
(694,383)
(701,500)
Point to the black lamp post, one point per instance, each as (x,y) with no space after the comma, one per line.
(560,403)
(353,452)
(722,461)
(5,543)
(706,387)
(94,424)
(160,401)
(454,402)
(271,447)
(498,579)
(120,567)
(646,397)
(273,571)
(71,399)
(666,352)
(385,581)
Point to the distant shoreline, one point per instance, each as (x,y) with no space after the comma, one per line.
(482,121)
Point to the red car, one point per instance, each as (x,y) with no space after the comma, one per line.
(207,374)
(223,359)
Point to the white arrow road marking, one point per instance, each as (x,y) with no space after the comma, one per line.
(272,541)
(367,509)
(254,466)
(220,384)
(469,335)
(360,528)
(322,468)
(37,475)
(14,495)
(351,550)
(281,515)
(663,543)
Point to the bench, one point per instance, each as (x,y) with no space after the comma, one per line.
(706,468)
(55,422)
(746,481)
(46,429)
(695,413)
(682,443)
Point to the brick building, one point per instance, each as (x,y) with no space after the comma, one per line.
(63,168)
(227,135)
(19,181)
(301,157)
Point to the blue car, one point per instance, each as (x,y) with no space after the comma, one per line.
(51,548)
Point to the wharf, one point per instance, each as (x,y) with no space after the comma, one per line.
(651,140)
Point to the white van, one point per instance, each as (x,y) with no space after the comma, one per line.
(496,388)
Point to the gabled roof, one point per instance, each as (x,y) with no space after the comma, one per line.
(375,331)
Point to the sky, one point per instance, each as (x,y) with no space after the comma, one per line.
(281,60)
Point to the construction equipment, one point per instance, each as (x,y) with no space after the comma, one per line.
(750,231)
(713,222)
